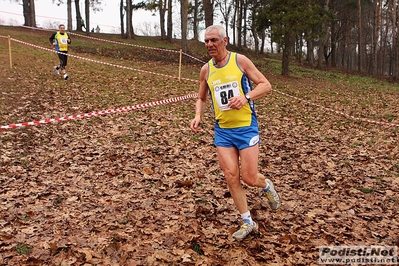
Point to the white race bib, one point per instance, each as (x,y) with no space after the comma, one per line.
(224,92)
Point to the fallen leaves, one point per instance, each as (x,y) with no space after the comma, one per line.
(140,188)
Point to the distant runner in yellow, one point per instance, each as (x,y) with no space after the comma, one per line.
(227,79)
(60,41)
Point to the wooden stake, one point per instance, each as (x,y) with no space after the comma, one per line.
(180,64)
(9,50)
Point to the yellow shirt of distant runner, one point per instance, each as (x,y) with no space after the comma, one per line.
(225,82)
(61,42)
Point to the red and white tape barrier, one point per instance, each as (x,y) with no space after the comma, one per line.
(169,76)
(339,112)
(100,62)
(123,43)
(98,113)
(135,45)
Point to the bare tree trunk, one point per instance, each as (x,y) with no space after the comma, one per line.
(78,16)
(299,50)
(184,19)
(333,46)
(310,53)
(375,37)
(69,14)
(33,13)
(383,44)
(121,17)
(195,20)
(239,23)
(350,52)
(395,48)
(87,16)
(234,21)
(162,11)
(170,22)
(320,55)
(244,27)
(262,46)
(285,69)
(129,19)
(29,13)
(324,41)
(271,41)
(255,33)
(208,10)
(360,36)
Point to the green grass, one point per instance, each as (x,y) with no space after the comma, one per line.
(366,190)
(22,249)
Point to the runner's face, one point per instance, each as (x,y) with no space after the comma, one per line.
(62,29)
(214,44)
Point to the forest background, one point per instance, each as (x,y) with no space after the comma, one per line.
(139,188)
(350,35)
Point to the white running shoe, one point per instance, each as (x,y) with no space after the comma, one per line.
(65,76)
(56,70)
(245,230)
(272,196)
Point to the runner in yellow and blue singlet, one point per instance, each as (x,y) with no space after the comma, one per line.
(233,127)
(60,41)
(227,79)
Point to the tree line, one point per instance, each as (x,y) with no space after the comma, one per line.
(349,35)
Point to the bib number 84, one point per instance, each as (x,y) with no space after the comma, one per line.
(224,92)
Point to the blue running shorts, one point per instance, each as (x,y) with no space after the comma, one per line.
(241,137)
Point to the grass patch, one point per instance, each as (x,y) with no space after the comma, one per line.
(197,248)
(22,249)
(365,190)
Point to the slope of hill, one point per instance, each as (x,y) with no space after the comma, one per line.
(138,187)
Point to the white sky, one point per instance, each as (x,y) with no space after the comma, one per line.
(48,13)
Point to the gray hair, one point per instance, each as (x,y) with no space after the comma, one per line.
(221,30)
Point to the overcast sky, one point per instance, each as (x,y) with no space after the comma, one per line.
(48,13)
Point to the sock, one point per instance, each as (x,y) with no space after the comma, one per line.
(266,189)
(246,217)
